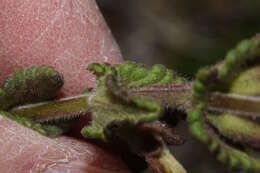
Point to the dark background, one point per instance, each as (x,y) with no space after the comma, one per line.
(183,35)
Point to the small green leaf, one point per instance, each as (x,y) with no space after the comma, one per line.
(113,106)
(134,75)
(31,85)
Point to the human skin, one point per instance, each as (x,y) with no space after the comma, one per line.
(66,34)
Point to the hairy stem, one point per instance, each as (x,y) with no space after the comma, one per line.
(178,96)
(66,108)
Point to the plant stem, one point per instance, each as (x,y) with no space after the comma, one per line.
(178,96)
(247,106)
(66,108)
(165,162)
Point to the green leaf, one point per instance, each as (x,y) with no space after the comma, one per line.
(225,114)
(112,106)
(30,85)
(134,75)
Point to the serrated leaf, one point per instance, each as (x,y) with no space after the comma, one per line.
(134,75)
(156,82)
(112,105)
(117,112)
(226,110)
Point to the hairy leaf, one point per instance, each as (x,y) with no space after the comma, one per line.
(30,85)
(225,116)
(119,112)
(134,75)
(112,106)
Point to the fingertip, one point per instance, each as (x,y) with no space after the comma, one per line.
(23,150)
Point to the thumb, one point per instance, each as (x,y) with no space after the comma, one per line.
(67,35)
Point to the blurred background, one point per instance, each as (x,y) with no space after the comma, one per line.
(183,35)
